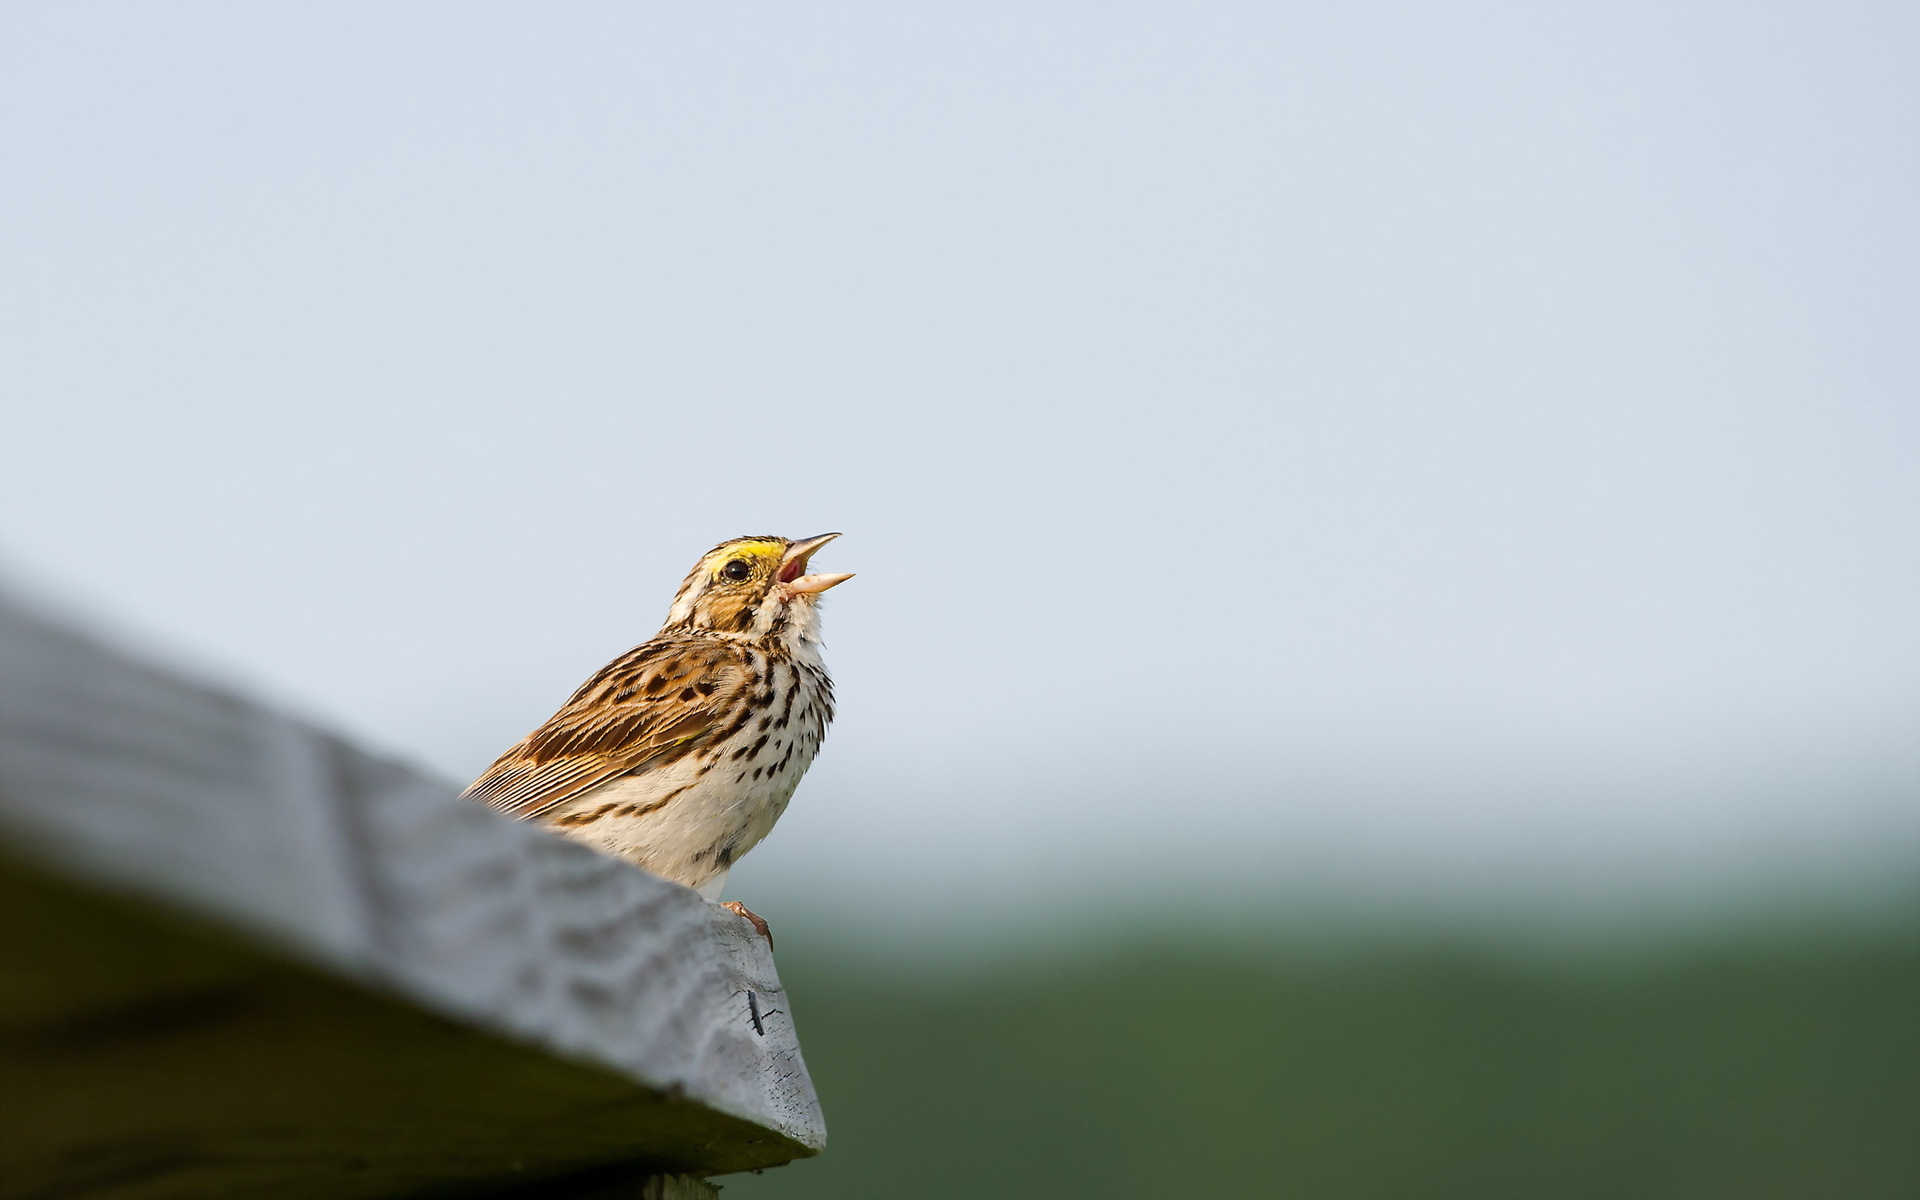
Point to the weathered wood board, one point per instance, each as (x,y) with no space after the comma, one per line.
(398,979)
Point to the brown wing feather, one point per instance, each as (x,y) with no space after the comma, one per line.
(644,709)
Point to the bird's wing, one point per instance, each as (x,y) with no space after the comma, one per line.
(644,709)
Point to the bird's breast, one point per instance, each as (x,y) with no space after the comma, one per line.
(692,818)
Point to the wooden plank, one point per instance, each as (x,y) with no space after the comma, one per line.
(148,1056)
(363,876)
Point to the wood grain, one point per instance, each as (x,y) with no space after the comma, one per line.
(139,781)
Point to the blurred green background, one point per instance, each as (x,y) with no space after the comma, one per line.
(1768,1056)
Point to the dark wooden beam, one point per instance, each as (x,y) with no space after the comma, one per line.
(240,957)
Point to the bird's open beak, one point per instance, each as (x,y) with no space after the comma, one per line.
(794,566)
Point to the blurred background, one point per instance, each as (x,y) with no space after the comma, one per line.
(1384,660)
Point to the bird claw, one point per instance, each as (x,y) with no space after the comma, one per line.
(759,923)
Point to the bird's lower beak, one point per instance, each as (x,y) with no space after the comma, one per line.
(811,584)
(793,567)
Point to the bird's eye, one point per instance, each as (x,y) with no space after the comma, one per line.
(736,569)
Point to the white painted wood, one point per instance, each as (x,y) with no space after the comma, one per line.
(133,776)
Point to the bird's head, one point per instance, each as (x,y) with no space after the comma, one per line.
(754,586)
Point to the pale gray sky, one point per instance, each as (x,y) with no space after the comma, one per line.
(1375,442)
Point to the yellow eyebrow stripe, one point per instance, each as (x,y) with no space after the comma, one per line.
(754,549)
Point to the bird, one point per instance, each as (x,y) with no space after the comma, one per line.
(680,754)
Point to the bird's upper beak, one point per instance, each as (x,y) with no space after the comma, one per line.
(793,567)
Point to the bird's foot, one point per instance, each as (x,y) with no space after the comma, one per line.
(759,923)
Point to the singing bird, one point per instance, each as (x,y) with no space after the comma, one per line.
(681,754)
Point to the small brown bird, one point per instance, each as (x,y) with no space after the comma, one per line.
(681,754)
